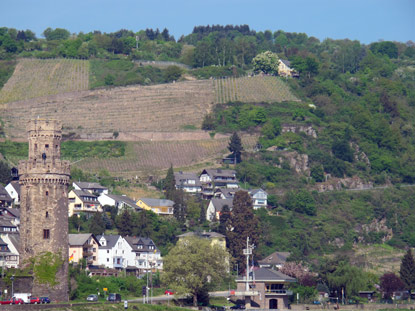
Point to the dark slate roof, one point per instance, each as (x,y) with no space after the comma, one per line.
(146,242)
(86,196)
(181,179)
(111,240)
(80,238)
(227,192)
(4,195)
(157,202)
(275,258)
(220,172)
(123,198)
(6,222)
(89,185)
(10,212)
(220,203)
(16,186)
(264,274)
(204,234)
(15,239)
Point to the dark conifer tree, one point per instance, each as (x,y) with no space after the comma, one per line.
(407,271)
(179,207)
(223,220)
(235,146)
(97,224)
(124,223)
(242,223)
(170,184)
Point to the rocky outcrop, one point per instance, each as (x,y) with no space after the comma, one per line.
(308,129)
(377,226)
(351,183)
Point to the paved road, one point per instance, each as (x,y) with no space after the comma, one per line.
(167,298)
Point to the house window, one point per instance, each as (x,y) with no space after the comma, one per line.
(118,261)
(108,260)
(46,234)
(94,249)
(94,258)
(108,251)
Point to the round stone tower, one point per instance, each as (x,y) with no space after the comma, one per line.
(44,180)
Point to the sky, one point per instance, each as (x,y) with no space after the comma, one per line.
(364,20)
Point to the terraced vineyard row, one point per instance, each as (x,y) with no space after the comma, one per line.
(143,156)
(252,89)
(36,78)
(165,107)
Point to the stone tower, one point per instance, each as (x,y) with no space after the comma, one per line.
(44,180)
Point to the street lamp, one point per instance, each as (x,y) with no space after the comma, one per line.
(12,279)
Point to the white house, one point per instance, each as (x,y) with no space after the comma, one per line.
(215,207)
(147,255)
(259,198)
(115,252)
(13,189)
(9,254)
(188,182)
(119,201)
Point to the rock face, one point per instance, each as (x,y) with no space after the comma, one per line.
(44,180)
(297,161)
(308,129)
(353,183)
(377,226)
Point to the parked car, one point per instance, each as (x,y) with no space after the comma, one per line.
(44,299)
(168,292)
(114,297)
(12,301)
(92,297)
(34,300)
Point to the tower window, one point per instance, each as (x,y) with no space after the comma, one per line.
(46,234)
(47,215)
(47,193)
(47,146)
(35,147)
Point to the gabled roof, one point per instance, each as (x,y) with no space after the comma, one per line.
(181,179)
(264,274)
(89,185)
(80,239)
(255,191)
(16,185)
(10,212)
(218,204)
(227,192)
(111,240)
(157,202)
(145,242)
(2,244)
(219,172)
(276,258)
(4,195)
(285,62)
(204,234)
(6,222)
(85,196)
(15,240)
(123,198)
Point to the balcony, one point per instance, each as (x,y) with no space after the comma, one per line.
(278,292)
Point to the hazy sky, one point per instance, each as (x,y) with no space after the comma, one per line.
(363,20)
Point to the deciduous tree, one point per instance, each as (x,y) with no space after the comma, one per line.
(266,62)
(389,283)
(193,266)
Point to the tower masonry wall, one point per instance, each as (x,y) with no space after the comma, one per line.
(44,180)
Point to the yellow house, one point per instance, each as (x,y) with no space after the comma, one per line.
(214,237)
(83,245)
(158,206)
(83,202)
(284,69)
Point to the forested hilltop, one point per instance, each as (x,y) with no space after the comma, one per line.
(347,121)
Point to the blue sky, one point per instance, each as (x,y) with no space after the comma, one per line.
(364,20)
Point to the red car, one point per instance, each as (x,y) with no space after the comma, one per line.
(35,300)
(12,301)
(168,292)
